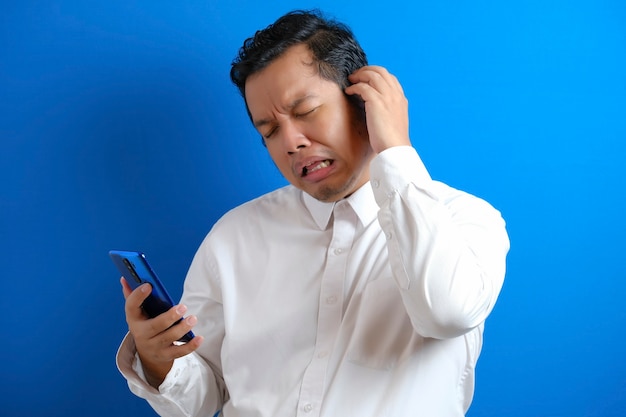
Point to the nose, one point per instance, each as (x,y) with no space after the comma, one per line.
(293,138)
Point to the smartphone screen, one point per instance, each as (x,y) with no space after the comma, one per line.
(135,268)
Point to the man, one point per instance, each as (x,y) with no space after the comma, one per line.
(360,289)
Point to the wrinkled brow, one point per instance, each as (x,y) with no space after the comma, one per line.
(262,122)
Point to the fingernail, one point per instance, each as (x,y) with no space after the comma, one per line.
(192,320)
(181,309)
(145,288)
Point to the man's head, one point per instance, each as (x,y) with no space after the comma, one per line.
(335,50)
(292,76)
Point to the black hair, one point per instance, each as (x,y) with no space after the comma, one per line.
(332,44)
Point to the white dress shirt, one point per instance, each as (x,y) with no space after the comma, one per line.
(369,307)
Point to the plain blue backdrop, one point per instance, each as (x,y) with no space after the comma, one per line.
(119,129)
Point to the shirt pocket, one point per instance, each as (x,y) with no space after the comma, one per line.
(383,334)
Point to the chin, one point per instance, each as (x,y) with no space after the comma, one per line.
(330,194)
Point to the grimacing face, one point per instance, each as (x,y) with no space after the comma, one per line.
(312,132)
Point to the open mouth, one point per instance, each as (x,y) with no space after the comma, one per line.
(315,166)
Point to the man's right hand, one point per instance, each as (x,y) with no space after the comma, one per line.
(154,338)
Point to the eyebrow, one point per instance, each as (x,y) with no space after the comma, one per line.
(293,105)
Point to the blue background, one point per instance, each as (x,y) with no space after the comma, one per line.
(119,129)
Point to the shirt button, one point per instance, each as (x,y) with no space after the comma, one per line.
(322,354)
(375,183)
(388,235)
(338,251)
(308,408)
(331,299)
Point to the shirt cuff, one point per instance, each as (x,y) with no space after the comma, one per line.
(393,169)
(130,367)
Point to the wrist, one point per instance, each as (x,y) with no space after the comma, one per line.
(155,372)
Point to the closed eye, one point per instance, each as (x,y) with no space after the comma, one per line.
(274,127)
(270,132)
(303,114)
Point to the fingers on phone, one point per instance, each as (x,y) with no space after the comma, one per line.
(186,348)
(134,300)
(126,289)
(164,323)
(180,349)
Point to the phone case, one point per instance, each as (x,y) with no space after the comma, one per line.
(135,268)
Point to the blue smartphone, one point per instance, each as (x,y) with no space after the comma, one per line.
(135,268)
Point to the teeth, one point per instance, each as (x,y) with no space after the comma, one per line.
(308,169)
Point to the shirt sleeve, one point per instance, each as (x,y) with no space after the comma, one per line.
(447,248)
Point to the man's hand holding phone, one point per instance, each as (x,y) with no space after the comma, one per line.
(156,339)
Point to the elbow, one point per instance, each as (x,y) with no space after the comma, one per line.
(460,305)
(449,317)
(445,325)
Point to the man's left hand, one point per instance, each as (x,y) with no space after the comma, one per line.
(386,107)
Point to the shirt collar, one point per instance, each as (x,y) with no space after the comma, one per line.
(362,202)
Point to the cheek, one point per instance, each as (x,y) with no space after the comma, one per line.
(350,142)
(280,160)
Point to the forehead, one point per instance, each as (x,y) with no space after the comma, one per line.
(297,58)
(289,77)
